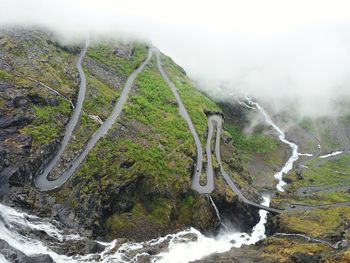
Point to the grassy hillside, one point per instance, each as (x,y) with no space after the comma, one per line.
(139,175)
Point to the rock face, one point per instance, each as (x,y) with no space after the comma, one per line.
(14,255)
(136,182)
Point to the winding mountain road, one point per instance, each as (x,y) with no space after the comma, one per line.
(209,186)
(41,181)
(217,119)
(314,189)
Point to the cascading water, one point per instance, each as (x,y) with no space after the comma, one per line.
(331,154)
(215,208)
(217,212)
(181,247)
(3,259)
(204,246)
(14,225)
(197,245)
(282,137)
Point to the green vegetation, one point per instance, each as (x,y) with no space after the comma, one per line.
(153,150)
(106,53)
(260,153)
(139,173)
(47,63)
(99,101)
(160,210)
(321,128)
(341,257)
(329,174)
(316,222)
(119,223)
(280,249)
(158,144)
(83,133)
(100,98)
(345,118)
(195,102)
(5,75)
(159,140)
(48,123)
(254,143)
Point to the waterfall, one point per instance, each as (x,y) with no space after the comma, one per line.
(282,137)
(217,212)
(215,208)
(204,246)
(12,223)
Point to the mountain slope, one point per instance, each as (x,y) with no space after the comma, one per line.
(136,177)
(136,181)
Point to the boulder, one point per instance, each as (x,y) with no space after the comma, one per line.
(13,255)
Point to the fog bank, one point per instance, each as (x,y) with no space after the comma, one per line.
(281,52)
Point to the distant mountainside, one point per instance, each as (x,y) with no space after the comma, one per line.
(136,181)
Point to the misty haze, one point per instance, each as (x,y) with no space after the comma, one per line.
(174,131)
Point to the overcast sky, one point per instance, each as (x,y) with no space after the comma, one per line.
(275,50)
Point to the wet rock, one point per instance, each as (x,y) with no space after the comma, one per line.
(227,139)
(64,215)
(15,119)
(299,175)
(81,247)
(3,154)
(299,257)
(4,86)
(14,255)
(41,258)
(190,237)
(37,99)
(10,253)
(20,101)
(5,174)
(344,244)
(122,52)
(127,164)
(52,101)
(93,247)
(223,259)
(287,180)
(5,65)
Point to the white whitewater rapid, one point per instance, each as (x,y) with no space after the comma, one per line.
(21,230)
(182,247)
(204,246)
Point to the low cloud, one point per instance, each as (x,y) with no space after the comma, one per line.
(281,52)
